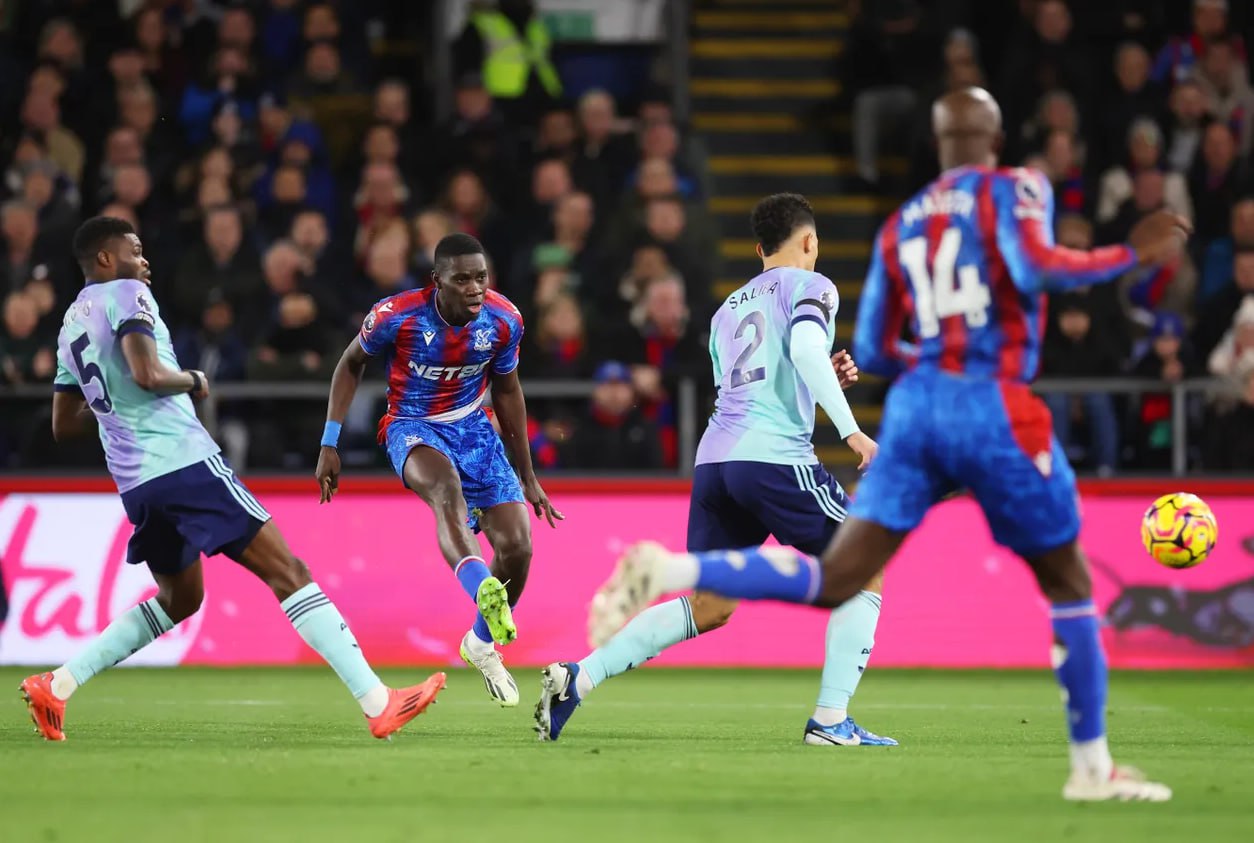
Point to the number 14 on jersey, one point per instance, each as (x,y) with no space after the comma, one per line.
(935,295)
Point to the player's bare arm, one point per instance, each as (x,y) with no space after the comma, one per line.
(344,383)
(150,374)
(1160,237)
(511,412)
(71,416)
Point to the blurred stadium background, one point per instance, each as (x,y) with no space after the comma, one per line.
(288,162)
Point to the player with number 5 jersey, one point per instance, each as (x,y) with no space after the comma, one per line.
(116,370)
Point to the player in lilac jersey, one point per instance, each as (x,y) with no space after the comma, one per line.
(116,368)
(757,475)
(966,263)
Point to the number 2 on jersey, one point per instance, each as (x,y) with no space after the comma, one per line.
(88,372)
(935,297)
(740,376)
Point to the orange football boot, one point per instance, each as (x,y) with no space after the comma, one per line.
(46,709)
(404,704)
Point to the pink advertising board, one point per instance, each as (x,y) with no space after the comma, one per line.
(952,598)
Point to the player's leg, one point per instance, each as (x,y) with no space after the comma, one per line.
(320,624)
(508,530)
(714,520)
(1022,481)
(803,506)
(430,472)
(175,565)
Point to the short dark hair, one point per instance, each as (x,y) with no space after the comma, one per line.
(456,245)
(92,235)
(775,218)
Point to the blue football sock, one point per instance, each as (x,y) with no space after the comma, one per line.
(648,634)
(850,638)
(470,572)
(128,634)
(323,628)
(759,573)
(1080,665)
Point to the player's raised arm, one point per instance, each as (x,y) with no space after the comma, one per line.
(877,343)
(1021,207)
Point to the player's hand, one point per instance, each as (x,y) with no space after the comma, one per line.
(864,446)
(328,473)
(203,392)
(540,502)
(1160,237)
(846,369)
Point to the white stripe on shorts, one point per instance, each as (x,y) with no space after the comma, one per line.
(237,490)
(805,480)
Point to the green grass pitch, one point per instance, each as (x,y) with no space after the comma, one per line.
(659,755)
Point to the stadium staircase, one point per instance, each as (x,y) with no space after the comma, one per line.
(769,106)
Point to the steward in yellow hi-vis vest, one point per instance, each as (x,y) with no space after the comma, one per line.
(509,57)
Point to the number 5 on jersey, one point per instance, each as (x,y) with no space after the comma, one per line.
(935,296)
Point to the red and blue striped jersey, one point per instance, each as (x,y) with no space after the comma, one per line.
(966,264)
(439,372)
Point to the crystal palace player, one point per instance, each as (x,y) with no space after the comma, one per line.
(442,345)
(115,363)
(968,260)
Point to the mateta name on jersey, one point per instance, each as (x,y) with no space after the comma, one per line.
(930,204)
(746,296)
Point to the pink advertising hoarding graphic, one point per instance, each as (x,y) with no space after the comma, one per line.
(953,598)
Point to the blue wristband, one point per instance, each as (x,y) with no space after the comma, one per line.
(331,434)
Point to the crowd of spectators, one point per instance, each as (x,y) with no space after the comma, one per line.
(282,180)
(1128,106)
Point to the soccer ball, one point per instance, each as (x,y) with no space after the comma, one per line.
(1179,530)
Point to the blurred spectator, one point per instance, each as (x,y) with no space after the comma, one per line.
(334,98)
(19,236)
(1144,152)
(1045,58)
(1224,80)
(300,145)
(1214,182)
(1064,165)
(1230,444)
(391,108)
(614,434)
(1180,56)
(123,145)
(558,346)
(295,346)
(1135,97)
(1217,264)
(662,347)
(163,62)
(387,269)
(649,263)
(430,227)
(467,202)
(572,220)
(311,235)
(381,200)
(214,345)
(287,270)
(1056,112)
(1074,349)
(556,136)
(24,356)
(891,56)
(510,45)
(604,153)
(228,77)
(61,48)
(1216,318)
(1165,356)
(280,37)
(660,141)
(1186,122)
(222,264)
(1233,358)
(40,113)
(476,137)
(57,217)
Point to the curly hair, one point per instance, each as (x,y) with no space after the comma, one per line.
(775,218)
